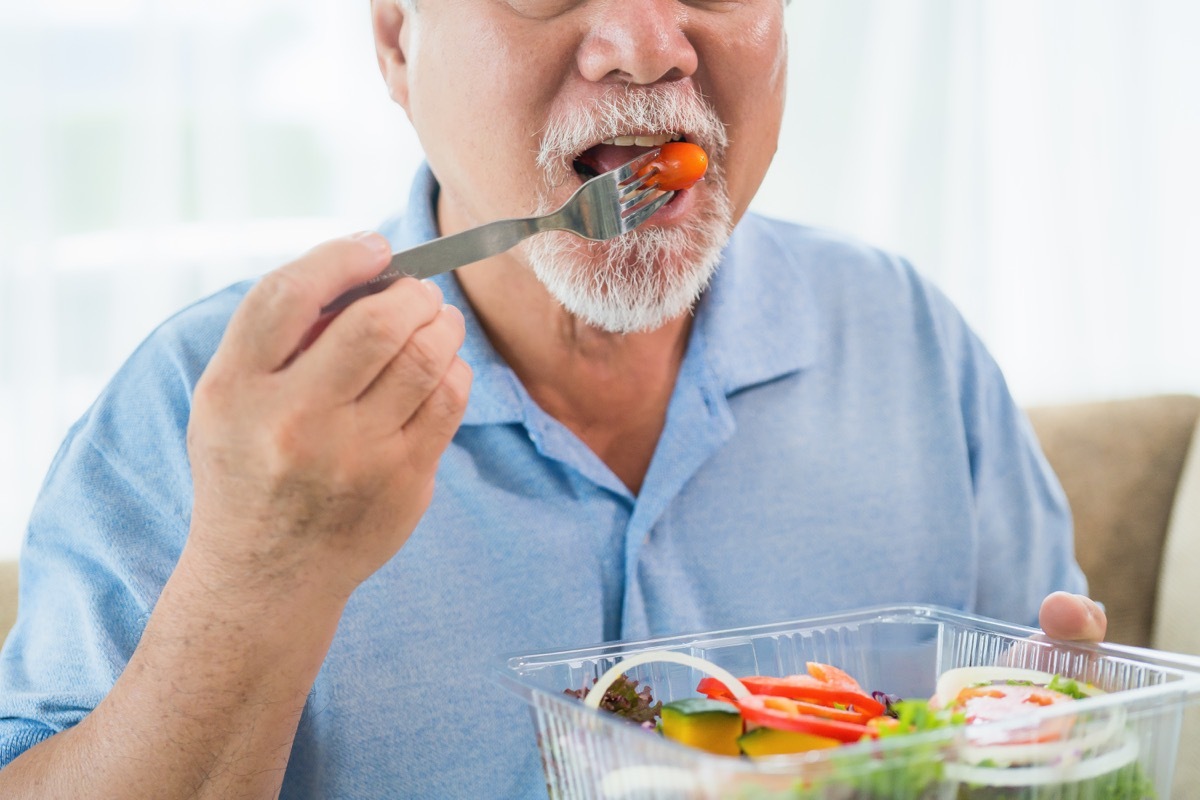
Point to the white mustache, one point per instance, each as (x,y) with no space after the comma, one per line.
(657,109)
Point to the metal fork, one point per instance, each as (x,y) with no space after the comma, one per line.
(605,206)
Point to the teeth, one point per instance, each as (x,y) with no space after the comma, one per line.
(644,141)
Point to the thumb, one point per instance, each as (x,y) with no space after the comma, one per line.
(1072,617)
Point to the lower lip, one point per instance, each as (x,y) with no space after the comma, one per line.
(676,209)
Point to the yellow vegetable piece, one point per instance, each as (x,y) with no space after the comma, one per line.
(772,742)
(785,704)
(709,725)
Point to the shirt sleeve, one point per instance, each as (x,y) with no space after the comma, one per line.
(103,537)
(1024,528)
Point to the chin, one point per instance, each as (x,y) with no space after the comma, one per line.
(636,282)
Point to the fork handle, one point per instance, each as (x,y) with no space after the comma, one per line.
(447,253)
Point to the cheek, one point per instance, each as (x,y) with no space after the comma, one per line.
(761,53)
(754,115)
(479,115)
(464,113)
(493,80)
(458,95)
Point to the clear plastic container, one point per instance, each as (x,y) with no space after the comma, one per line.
(1118,746)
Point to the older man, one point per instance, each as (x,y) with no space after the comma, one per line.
(716,420)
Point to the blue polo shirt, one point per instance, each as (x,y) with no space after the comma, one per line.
(837,438)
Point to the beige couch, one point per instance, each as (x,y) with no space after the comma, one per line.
(8,596)
(1137,527)
(1131,470)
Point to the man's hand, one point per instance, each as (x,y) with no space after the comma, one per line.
(313,465)
(1072,617)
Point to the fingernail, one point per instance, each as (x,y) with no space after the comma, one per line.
(434,290)
(375,241)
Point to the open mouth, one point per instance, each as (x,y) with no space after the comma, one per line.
(612,153)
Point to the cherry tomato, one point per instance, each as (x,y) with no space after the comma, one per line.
(678,165)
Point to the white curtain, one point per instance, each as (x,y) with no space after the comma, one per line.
(1038,160)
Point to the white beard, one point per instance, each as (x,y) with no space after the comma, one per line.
(638,281)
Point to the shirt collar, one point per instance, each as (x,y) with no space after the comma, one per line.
(756,322)
(758,318)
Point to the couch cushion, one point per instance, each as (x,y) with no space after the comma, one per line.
(1119,463)
(1175,626)
(8,596)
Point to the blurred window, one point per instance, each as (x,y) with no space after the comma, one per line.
(1036,158)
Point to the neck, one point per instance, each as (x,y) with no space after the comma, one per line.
(611,390)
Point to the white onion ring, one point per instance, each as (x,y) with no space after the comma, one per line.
(1082,770)
(1033,753)
(596,693)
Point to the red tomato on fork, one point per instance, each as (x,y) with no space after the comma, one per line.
(677,166)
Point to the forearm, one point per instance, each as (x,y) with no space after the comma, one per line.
(312,460)
(208,705)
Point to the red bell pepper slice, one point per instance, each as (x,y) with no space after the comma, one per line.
(783,714)
(799,687)
(805,687)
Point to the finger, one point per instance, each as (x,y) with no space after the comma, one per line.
(434,424)
(416,371)
(366,337)
(269,325)
(1072,617)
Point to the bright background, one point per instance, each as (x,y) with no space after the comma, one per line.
(1039,160)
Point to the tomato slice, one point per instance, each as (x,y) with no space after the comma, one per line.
(1001,701)
(713,689)
(827,673)
(784,714)
(998,701)
(677,166)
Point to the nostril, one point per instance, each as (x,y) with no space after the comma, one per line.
(635,47)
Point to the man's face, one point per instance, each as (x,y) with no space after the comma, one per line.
(513,99)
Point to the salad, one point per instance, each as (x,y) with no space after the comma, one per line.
(1000,747)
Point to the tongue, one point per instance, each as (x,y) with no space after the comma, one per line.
(604,157)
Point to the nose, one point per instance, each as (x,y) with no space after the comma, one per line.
(638,41)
